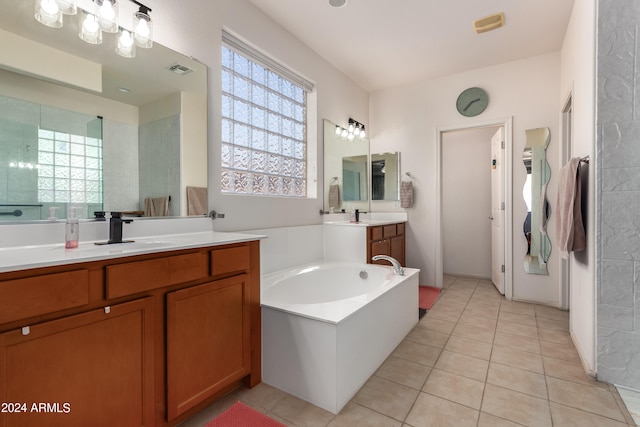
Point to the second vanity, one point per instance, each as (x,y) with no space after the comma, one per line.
(138,334)
(359,242)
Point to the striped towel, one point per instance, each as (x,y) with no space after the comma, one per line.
(334,196)
(406,194)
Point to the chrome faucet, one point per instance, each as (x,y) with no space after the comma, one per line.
(397,267)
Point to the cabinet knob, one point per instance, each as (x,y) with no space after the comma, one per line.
(26,330)
(107,309)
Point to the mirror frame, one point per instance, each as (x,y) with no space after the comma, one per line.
(534,192)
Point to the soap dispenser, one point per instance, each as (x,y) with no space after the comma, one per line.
(52,213)
(72,230)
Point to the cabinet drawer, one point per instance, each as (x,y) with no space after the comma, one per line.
(389,231)
(228,260)
(33,296)
(376,233)
(141,276)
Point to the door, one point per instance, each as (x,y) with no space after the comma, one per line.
(497,211)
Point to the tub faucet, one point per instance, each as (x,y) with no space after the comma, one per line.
(397,267)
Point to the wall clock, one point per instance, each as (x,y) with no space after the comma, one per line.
(472,101)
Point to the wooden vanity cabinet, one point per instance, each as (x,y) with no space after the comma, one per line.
(388,239)
(145,340)
(90,369)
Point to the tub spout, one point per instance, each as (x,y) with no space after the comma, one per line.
(397,267)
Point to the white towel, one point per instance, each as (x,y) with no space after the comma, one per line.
(334,196)
(406,194)
(569,225)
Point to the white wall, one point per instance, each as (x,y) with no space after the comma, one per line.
(466,202)
(406,118)
(578,79)
(194,28)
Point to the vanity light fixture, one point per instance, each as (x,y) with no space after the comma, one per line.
(355,129)
(142,27)
(47,12)
(126,46)
(103,17)
(108,15)
(90,30)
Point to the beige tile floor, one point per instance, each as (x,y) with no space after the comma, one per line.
(475,359)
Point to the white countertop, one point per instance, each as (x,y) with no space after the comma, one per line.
(27,257)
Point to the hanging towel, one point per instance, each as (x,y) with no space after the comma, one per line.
(197,201)
(156,206)
(569,225)
(406,194)
(334,196)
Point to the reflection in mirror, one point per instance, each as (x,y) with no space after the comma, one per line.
(385,176)
(154,120)
(345,172)
(354,178)
(535,196)
(52,158)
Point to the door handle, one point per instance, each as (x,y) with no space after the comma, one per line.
(491,218)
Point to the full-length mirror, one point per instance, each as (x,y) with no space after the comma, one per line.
(385,176)
(534,192)
(85,128)
(346,172)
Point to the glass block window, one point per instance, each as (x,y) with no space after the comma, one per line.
(264,138)
(69,168)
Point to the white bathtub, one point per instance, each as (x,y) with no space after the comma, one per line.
(325,329)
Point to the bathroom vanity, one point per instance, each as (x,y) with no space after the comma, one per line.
(359,242)
(387,239)
(140,335)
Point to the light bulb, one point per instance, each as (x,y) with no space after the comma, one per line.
(109,16)
(350,137)
(143,30)
(344,133)
(338,130)
(362,134)
(48,13)
(90,30)
(350,127)
(68,7)
(126,46)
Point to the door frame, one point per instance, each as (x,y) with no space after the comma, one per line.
(507,124)
(566,147)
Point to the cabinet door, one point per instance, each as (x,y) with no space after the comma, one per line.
(397,249)
(380,247)
(91,369)
(208,341)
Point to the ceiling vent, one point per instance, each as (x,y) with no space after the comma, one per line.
(488,23)
(179,69)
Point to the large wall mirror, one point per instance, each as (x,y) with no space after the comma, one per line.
(346,172)
(84,127)
(534,192)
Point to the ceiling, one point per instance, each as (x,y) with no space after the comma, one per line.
(382,44)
